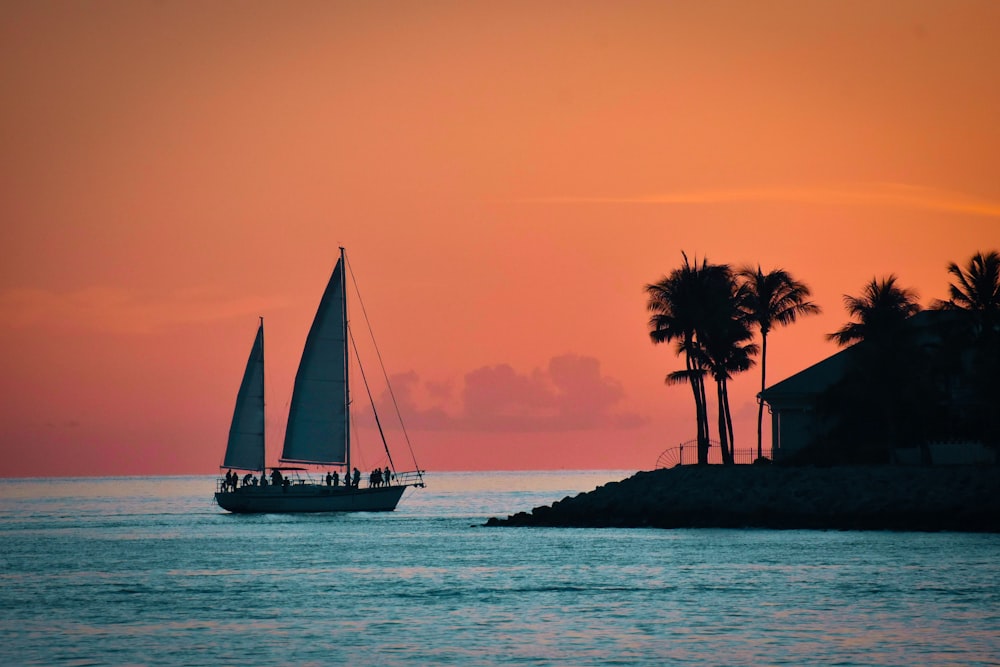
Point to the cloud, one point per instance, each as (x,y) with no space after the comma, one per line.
(899,195)
(569,394)
(123,311)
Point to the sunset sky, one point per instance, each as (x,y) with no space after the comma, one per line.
(506,177)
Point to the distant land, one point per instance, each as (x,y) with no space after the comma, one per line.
(960,498)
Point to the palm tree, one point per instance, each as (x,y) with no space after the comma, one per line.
(724,334)
(772,299)
(881,309)
(976,295)
(675,304)
(885,368)
(697,306)
(977,289)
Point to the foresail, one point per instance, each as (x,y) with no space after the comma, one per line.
(245,449)
(317,418)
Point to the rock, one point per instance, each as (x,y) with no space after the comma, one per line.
(771,496)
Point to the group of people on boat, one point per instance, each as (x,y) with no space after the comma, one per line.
(233,481)
(377,478)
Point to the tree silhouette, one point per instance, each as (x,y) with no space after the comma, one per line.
(771,299)
(675,304)
(724,335)
(975,297)
(697,306)
(881,311)
(883,380)
(976,289)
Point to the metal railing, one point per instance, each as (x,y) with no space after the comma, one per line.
(686,453)
(409,478)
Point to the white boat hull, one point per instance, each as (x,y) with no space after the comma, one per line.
(309,498)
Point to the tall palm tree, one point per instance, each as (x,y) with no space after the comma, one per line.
(881,310)
(772,299)
(724,335)
(675,304)
(697,306)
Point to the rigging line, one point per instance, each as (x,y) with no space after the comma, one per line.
(359,448)
(378,354)
(370,398)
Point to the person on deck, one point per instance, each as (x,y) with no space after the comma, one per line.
(329,479)
(357,478)
(387,476)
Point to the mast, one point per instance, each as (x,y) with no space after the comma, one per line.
(347,369)
(263,404)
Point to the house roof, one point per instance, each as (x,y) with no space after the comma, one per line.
(820,376)
(811,381)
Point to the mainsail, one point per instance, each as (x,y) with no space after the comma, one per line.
(245,449)
(317,419)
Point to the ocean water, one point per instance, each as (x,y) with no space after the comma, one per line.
(123,571)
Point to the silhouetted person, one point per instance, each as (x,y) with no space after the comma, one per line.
(387,476)
(336,478)
(357,478)
(329,479)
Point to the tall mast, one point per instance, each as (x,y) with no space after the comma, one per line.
(263,404)
(347,368)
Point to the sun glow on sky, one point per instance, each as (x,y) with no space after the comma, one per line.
(506,178)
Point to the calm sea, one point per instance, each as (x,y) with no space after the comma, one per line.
(149,571)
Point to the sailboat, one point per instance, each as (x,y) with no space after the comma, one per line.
(318,432)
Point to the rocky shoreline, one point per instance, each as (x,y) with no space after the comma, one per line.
(960,498)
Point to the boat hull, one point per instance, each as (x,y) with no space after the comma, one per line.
(298,498)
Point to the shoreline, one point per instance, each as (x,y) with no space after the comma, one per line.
(959,498)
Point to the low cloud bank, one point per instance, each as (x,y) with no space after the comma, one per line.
(568,394)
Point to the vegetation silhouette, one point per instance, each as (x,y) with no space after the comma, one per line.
(700,307)
(915,376)
(772,299)
(676,306)
(975,298)
(874,407)
(912,377)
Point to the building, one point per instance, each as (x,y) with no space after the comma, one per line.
(797,422)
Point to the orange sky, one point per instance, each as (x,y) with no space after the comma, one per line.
(506,176)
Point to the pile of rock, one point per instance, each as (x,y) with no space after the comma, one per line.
(962,498)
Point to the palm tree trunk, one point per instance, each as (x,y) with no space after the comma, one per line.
(703,433)
(760,400)
(727,458)
(729,422)
(701,413)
